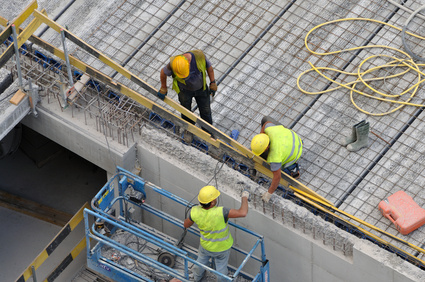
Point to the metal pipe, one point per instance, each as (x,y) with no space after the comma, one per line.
(68,65)
(18,62)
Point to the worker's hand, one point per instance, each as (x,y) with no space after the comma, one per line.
(266,197)
(246,193)
(162,93)
(213,87)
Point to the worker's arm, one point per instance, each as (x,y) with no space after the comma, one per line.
(275,181)
(210,72)
(188,223)
(163,90)
(264,126)
(163,78)
(242,211)
(213,84)
(273,186)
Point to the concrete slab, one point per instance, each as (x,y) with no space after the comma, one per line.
(258,76)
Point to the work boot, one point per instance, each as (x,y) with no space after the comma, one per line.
(353,137)
(293,171)
(362,141)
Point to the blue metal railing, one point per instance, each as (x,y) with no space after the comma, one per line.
(119,191)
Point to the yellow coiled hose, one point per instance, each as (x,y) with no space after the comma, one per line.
(407,61)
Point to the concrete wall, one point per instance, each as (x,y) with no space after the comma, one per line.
(296,253)
(293,255)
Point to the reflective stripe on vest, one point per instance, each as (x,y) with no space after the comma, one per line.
(201,63)
(215,234)
(285,145)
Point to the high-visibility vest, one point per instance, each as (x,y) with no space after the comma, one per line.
(215,234)
(285,145)
(201,63)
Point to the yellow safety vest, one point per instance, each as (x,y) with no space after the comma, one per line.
(285,145)
(215,234)
(201,63)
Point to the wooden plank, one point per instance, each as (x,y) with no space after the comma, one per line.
(75,90)
(3,21)
(34,209)
(17,98)
(25,14)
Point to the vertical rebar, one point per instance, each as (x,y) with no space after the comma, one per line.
(34,277)
(62,90)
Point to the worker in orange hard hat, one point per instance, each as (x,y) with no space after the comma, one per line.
(189,81)
(281,147)
(212,221)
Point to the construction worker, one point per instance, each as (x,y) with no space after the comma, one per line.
(216,240)
(189,81)
(281,147)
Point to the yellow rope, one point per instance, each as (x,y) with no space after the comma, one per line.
(408,64)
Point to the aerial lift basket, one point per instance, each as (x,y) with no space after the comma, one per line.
(131,237)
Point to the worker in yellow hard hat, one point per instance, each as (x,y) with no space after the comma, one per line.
(281,147)
(212,221)
(189,81)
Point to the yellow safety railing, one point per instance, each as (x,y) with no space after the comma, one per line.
(223,141)
(52,246)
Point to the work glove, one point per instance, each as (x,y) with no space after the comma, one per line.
(246,193)
(213,88)
(266,197)
(162,93)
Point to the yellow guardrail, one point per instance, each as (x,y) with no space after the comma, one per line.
(51,247)
(223,141)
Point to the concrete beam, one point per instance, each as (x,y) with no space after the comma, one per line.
(82,140)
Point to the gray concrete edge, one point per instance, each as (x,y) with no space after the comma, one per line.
(78,139)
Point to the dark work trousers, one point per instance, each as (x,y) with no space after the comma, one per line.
(266,119)
(202,99)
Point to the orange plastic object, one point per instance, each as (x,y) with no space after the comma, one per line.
(405,213)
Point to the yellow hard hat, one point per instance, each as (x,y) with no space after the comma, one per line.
(259,143)
(208,194)
(180,66)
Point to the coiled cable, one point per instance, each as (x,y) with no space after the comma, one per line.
(405,61)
